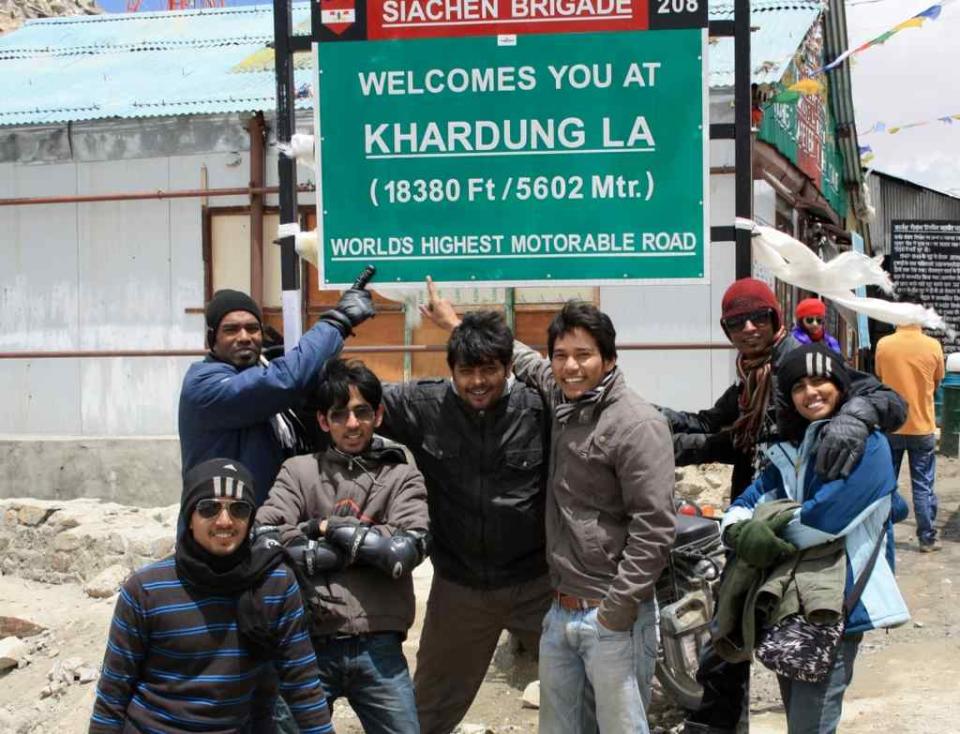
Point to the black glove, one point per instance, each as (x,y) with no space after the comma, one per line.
(264,536)
(394,555)
(843,439)
(311,528)
(355,307)
(348,536)
(312,557)
(757,542)
(673,417)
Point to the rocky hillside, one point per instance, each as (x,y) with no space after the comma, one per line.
(14,12)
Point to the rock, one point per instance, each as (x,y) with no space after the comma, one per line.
(16,627)
(70,667)
(689,490)
(473,729)
(87,674)
(531,695)
(33,515)
(54,688)
(68,541)
(106,583)
(12,651)
(55,671)
(716,482)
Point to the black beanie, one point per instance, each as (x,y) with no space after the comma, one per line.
(216,479)
(223,302)
(810,360)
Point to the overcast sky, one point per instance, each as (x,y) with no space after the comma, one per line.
(910,78)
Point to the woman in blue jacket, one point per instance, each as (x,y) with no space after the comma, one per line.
(812,382)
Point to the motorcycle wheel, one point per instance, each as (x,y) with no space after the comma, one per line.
(680,688)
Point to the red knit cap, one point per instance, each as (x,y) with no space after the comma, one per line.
(811,307)
(749,294)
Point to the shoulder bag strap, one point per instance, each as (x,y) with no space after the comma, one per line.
(851,601)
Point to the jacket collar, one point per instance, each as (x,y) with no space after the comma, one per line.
(376,454)
(591,410)
(792,460)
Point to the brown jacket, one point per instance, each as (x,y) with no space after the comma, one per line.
(610,511)
(379,489)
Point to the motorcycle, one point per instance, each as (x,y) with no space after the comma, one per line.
(686,596)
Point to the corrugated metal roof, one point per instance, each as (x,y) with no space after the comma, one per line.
(59,70)
(780,26)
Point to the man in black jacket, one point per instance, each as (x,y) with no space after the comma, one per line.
(737,429)
(480,443)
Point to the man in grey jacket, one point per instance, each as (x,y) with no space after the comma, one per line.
(354,520)
(610,526)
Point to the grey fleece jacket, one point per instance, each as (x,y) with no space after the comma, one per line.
(376,488)
(610,515)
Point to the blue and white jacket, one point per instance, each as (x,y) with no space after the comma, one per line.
(856,508)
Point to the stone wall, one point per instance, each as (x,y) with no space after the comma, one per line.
(74,541)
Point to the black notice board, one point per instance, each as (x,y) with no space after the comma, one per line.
(925,264)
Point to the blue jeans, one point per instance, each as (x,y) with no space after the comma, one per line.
(921,451)
(371,672)
(815,708)
(575,650)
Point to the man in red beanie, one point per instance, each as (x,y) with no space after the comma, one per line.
(736,430)
(811,324)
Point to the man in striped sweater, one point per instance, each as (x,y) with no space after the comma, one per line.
(192,634)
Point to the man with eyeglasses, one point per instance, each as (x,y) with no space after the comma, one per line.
(192,634)
(234,405)
(811,316)
(354,521)
(737,429)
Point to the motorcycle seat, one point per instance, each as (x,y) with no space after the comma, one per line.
(691,529)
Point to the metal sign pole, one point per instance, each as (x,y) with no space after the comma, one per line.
(287,168)
(743,137)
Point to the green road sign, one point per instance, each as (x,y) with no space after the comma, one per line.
(514,160)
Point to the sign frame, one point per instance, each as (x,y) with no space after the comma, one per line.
(705,248)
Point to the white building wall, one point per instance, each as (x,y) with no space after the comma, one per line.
(687,379)
(102,276)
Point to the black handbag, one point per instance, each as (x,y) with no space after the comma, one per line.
(802,650)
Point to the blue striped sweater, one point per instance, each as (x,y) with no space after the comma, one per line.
(175,661)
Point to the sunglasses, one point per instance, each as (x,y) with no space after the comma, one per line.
(363,413)
(758,318)
(209,509)
(812,320)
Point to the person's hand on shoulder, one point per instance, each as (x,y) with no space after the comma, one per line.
(844,439)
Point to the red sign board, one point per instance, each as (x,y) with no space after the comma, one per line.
(446,18)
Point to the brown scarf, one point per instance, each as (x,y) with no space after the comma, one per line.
(755,374)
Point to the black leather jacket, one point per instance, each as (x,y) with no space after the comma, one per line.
(705,436)
(486,479)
